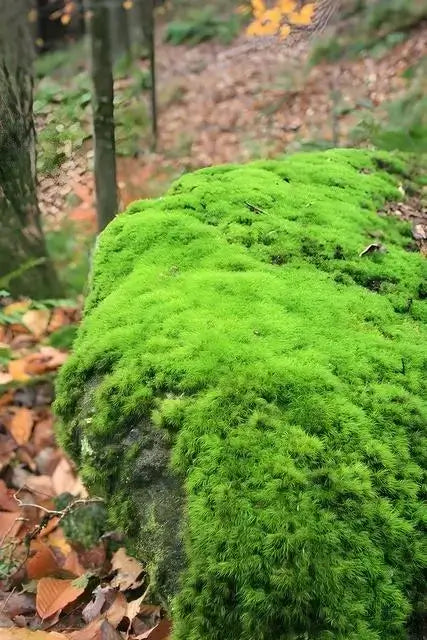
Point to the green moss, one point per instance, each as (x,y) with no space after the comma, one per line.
(245,381)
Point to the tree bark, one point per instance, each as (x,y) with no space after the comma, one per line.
(120,31)
(24,264)
(103,114)
(148,30)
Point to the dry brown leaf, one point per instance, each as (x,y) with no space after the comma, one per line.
(21,425)
(43,433)
(36,320)
(16,604)
(7,501)
(47,359)
(43,563)
(117,610)
(133,608)
(54,594)
(65,480)
(96,630)
(72,564)
(41,486)
(27,634)
(9,524)
(159,632)
(128,571)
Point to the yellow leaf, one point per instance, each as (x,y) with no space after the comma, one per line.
(287,6)
(303,17)
(66,18)
(127,4)
(36,320)
(285,31)
(258,8)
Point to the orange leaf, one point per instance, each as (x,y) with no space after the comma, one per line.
(21,425)
(42,563)
(53,595)
(287,6)
(7,501)
(57,539)
(72,564)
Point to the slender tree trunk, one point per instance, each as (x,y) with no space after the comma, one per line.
(148,29)
(24,264)
(103,114)
(120,31)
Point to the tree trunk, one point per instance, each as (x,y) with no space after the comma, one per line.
(24,264)
(103,115)
(148,29)
(119,29)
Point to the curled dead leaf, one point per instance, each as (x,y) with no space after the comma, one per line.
(21,424)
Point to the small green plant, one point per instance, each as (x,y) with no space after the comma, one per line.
(201,25)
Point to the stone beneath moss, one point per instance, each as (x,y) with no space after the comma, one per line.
(246,390)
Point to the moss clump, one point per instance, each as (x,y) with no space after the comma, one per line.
(245,382)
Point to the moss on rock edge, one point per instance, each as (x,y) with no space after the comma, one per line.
(247,391)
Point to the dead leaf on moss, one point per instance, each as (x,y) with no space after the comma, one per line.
(128,569)
(53,595)
(65,480)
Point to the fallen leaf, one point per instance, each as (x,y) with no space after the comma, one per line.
(7,501)
(133,608)
(117,610)
(54,594)
(57,539)
(26,634)
(5,378)
(9,525)
(372,248)
(21,425)
(72,564)
(41,486)
(16,604)
(159,632)
(65,480)
(93,609)
(36,320)
(16,307)
(96,630)
(43,433)
(47,359)
(128,571)
(43,563)
(17,369)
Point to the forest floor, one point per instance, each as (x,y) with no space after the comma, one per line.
(218,103)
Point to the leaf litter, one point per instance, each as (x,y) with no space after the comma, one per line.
(53,586)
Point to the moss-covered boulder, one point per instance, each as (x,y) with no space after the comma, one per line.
(247,392)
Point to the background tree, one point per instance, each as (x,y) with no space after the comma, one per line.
(24,264)
(120,30)
(148,29)
(103,113)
